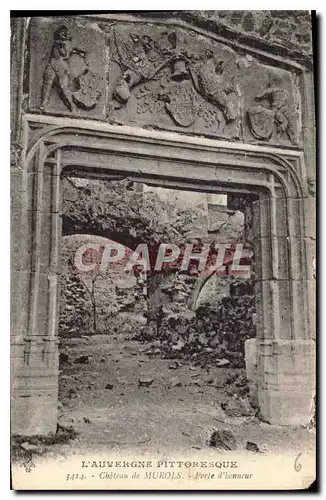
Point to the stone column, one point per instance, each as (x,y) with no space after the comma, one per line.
(34,249)
(309,141)
(285,351)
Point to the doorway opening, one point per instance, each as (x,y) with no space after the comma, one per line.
(147,348)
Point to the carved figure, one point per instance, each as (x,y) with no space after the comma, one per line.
(57,70)
(211,83)
(75,83)
(263,120)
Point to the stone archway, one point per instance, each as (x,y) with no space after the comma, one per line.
(284,345)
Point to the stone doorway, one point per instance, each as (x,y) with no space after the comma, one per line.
(137,212)
(57,145)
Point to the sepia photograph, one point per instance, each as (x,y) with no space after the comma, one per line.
(163,250)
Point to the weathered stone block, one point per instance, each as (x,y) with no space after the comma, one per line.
(312,308)
(286,381)
(309,137)
(21,239)
(273,308)
(297,258)
(299,313)
(45,188)
(308,98)
(271,258)
(34,412)
(251,369)
(67,68)
(285,407)
(270,216)
(298,217)
(263,314)
(270,104)
(18,188)
(19,308)
(311,217)
(41,292)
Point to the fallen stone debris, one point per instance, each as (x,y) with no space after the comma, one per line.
(33,448)
(250,446)
(208,379)
(145,380)
(237,408)
(220,439)
(82,360)
(174,365)
(175,382)
(236,385)
(23,447)
(209,336)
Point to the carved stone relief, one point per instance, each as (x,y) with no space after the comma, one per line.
(166,76)
(68,66)
(159,76)
(271,111)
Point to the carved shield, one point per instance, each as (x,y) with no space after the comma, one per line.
(89,90)
(261,121)
(87,84)
(182,105)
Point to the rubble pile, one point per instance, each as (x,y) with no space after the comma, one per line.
(213,334)
(24,447)
(236,385)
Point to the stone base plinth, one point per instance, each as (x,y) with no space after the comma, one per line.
(286,380)
(34,386)
(34,411)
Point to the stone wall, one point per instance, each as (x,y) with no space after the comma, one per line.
(93,302)
(289,28)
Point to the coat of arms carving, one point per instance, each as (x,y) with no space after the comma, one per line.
(277,118)
(181,103)
(171,77)
(261,122)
